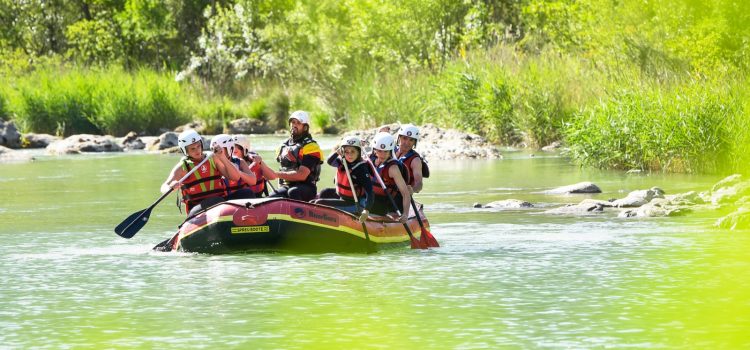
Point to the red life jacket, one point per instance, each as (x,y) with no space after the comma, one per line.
(343,188)
(260,181)
(390,183)
(205,182)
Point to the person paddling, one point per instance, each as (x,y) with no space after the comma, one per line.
(241,188)
(256,164)
(300,158)
(204,187)
(393,174)
(408,136)
(356,169)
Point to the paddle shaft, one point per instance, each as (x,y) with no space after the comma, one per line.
(354,193)
(147,211)
(393,202)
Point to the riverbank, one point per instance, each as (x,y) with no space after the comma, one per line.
(435,142)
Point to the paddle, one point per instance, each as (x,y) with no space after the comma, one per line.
(130,226)
(415,244)
(356,201)
(429,239)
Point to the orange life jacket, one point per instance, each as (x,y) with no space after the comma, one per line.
(343,188)
(206,182)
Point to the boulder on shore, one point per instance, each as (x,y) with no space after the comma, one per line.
(165,141)
(552,147)
(247,126)
(505,204)
(8,155)
(131,142)
(727,192)
(586,207)
(581,187)
(737,220)
(659,207)
(638,198)
(438,143)
(198,126)
(32,140)
(9,135)
(84,143)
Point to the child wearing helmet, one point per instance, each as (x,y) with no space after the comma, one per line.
(255,162)
(343,196)
(393,174)
(204,187)
(408,135)
(239,189)
(300,158)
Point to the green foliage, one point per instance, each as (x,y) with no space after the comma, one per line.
(515,71)
(215,114)
(321,121)
(258,109)
(496,97)
(94,42)
(542,105)
(278,109)
(375,98)
(54,104)
(685,128)
(67,102)
(4,108)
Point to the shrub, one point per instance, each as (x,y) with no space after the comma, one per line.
(258,109)
(58,104)
(4,107)
(215,114)
(681,129)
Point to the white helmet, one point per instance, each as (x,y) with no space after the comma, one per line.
(353,141)
(302,116)
(187,138)
(409,130)
(225,141)
(383,141)
(242,140)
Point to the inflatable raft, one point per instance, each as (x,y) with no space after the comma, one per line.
(286,225)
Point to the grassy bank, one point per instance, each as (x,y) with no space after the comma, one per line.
(624,120)
(65,101)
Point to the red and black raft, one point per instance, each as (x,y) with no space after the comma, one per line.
(286,225)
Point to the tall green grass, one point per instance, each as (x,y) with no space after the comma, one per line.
(609,116)
(66,101)
(4,107)
(687,127)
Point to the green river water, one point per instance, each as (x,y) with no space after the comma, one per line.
(502,278)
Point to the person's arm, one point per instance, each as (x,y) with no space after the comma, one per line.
(416,172)
(294,176)
(174,175)
(247,175)
(267,172)
(225,167)
(395,174)
(333,159)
